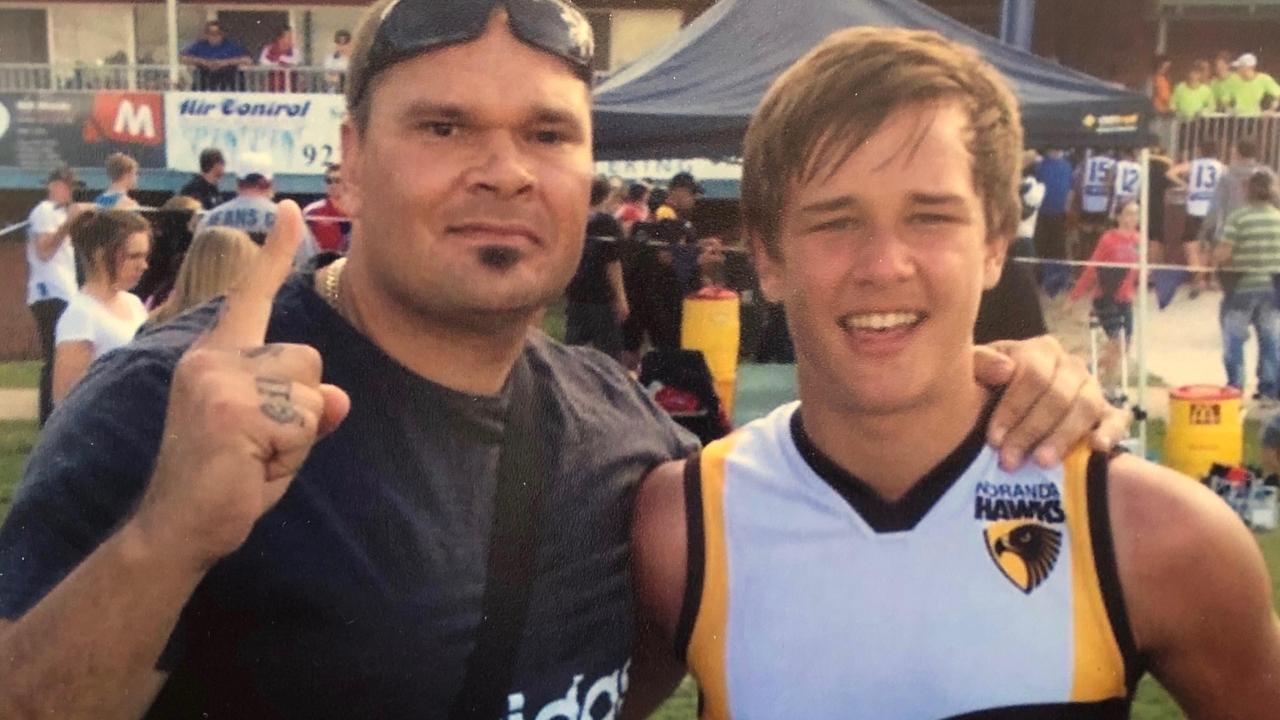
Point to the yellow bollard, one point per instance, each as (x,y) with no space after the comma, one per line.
(711,325)
(1205,427)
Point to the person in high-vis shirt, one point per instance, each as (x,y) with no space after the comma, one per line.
(1193,97)
(1253,91)
(1224,80)
(862,553)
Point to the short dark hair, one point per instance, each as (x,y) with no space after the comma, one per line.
(1209,147)
(342,36)
(600,189)
(211,158)
(1259,187)
(1247,147)
(636,192)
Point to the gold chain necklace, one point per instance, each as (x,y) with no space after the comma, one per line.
(332,283)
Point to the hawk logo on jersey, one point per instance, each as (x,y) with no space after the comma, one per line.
(1025,552)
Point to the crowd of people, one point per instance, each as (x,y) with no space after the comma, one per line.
(371,490)
(90,284)
(1089,211)
(1229,84)
(219,61)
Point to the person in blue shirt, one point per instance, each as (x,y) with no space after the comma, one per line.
(122,174)
(1054,170)
(216,60)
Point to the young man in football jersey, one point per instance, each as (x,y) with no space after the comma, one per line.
(1199,178)
(862,553)
(1128,182)
(1096,183)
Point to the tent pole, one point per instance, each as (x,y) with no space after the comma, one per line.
(1017,23)
(171,23)
(1140,322)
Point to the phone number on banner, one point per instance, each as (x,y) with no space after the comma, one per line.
(300,132)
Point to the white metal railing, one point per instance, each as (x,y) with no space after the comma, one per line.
(28,77)
(1184,136)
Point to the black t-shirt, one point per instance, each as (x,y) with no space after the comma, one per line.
(1011,309)
(359,594)
(590,284)
(1157,177)
(204,191)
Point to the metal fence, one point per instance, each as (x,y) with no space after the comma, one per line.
(1184,136)
(22,77)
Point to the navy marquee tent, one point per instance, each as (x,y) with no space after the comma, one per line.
(693,96)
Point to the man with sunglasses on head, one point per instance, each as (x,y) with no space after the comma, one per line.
(457,544)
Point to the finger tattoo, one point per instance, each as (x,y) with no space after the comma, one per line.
(276,402)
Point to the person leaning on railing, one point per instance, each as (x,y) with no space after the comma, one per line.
(216,60)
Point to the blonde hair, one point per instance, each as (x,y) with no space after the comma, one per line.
(824,107)
(217,259)
(182,202)
(118,165)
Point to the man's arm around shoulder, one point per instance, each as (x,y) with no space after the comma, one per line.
(1197,593)
(659,546)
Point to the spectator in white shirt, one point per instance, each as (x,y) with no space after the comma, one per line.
(51,268)
(1032,191)
(113,246)
(336,62)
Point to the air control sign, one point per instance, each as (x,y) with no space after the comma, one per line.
(300,131)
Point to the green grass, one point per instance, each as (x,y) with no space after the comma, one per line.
(20,374)
(16,439)
(553,320)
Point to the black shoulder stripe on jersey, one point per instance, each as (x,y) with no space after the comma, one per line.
(1104,556)
(696,542)
(1115,709)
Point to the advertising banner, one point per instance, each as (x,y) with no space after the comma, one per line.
(41,131)
(299,131)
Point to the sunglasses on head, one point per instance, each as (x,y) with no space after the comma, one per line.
(409,28)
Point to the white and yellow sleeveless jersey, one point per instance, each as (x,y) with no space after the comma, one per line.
(980,594)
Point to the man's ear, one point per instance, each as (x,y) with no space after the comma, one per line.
(993,262)
(351,175)
(768,267)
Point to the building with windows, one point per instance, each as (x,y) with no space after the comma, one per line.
(68,34)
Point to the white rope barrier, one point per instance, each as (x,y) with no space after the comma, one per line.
(1129,265)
